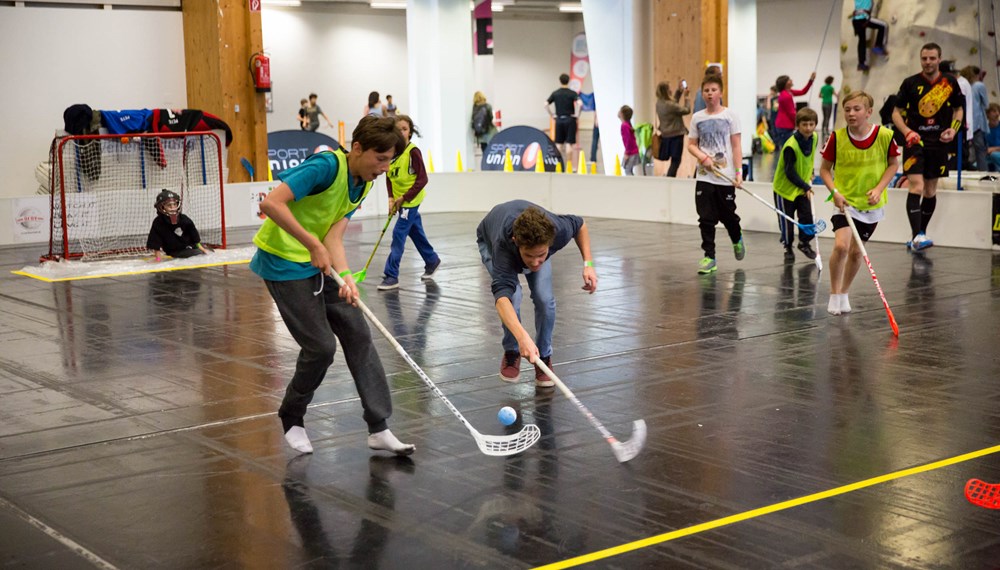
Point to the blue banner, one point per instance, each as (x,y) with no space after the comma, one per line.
(286,149)
(524,143)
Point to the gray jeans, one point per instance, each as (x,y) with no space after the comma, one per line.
(316,322)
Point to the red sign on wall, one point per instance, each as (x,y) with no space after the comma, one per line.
(254,5)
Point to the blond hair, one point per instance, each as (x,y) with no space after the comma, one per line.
(869,102)
(478,98)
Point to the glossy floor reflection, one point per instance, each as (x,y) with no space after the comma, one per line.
(139,431)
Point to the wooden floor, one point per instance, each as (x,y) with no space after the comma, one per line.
(139,430)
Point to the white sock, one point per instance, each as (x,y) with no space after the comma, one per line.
(833,307)
(384,440)
(845,305)
(297,438)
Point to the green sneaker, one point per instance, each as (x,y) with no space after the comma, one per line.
(706,266)
(739,249)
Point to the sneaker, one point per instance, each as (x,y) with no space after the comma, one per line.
(430,269)
(739,249)
(909,245)
(541,379)
(706,266)
(388,283)
(789,255)
(510,366)
(807,250)
(877,50)
(922,242)
(862,68)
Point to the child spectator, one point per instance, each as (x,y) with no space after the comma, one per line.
(304,114)
(827,94)
(406,180)
(864,158)
(714,141)
(792,189)
(173,233)
(631,158)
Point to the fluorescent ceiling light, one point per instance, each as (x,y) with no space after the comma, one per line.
(571,8)
(389,5)
(286,3)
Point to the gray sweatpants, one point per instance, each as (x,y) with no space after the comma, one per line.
(316,322)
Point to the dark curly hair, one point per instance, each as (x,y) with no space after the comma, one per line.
(533,228)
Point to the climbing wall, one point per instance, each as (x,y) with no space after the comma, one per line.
(963,28)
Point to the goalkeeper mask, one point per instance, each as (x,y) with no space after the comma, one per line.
(169,204)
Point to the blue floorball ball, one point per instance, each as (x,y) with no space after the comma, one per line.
(507,415)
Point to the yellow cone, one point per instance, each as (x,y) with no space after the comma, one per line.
(618,166)
(593,168)
(458,162)
(508,165)
(569,166)
(539,161)
(430,162)
(558,167)
(582,169)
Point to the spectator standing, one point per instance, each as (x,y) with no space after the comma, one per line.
(784,122)
(482,120)
(631,158)
(993,137)
(375,107)
(978,123)
(304,114)
(567,108)
(390,107)
(827,94)
(670,126)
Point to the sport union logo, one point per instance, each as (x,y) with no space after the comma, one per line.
(530,156)
(30,219)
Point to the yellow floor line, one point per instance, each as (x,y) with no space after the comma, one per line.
(654,540)
(142,272)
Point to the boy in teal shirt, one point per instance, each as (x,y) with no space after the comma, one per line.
(300,246)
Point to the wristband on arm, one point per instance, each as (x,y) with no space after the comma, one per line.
(956,125)
(588,263)
(344,273)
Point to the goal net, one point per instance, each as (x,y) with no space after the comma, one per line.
(103,189)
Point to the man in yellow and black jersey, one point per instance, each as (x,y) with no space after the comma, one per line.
(928,114)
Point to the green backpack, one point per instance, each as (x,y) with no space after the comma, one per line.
(644,137)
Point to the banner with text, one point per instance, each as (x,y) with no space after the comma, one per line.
(524,144)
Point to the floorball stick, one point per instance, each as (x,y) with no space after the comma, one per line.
(982,494)
(819,258)
(496,445)
(360,275)
(623,450)
(811,229)
(864,253)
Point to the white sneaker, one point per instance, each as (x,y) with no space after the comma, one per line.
(922,242)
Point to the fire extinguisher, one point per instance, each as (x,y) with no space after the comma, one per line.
(260,69)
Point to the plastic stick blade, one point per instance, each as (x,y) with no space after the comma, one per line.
(629,449)
(819,226)
(983,494)
(503,445)
(892,321)
(360,275)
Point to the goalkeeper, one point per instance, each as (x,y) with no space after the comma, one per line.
(173,233)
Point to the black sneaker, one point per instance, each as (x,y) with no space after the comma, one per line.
(806,249)
(790,255)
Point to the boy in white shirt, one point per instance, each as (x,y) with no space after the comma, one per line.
(714,141)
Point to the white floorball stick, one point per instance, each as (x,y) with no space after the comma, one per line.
(811,229)
(496,445)
(623,451)
(819,258)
